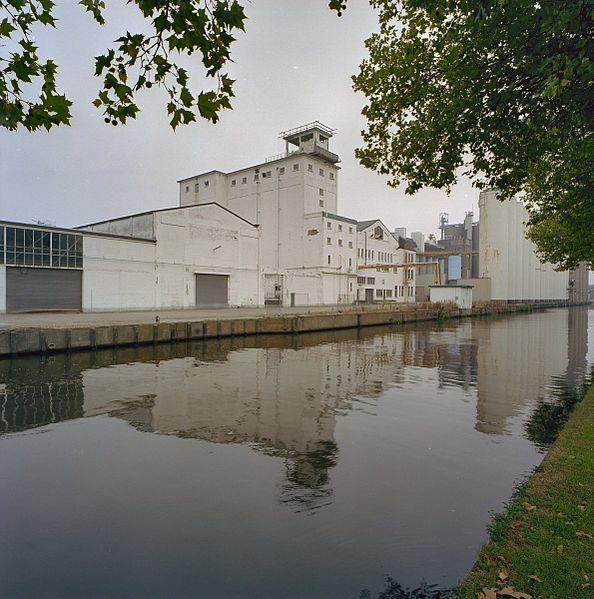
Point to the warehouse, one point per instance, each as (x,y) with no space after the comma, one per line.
(199,256)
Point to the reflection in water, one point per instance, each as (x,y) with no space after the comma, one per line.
(552,413)
(324,461)
(394,590)
(281,395)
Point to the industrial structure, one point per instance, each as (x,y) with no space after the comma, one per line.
(270,234)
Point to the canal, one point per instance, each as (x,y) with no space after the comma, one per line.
(297,467)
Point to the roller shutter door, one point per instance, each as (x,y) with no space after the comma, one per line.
(212,291)
(33,289)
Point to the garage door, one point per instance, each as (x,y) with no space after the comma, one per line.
(32,289)
(212,291)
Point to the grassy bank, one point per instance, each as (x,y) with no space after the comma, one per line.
(542,546)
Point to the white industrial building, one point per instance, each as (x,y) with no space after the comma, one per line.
(267,234)
(509,260)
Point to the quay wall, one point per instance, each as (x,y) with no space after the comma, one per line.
(48,340)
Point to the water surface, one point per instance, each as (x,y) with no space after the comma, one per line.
(298,467)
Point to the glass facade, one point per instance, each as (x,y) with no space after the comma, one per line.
(23,246)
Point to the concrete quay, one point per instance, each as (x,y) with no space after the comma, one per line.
(49,332)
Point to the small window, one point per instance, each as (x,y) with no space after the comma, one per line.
(360,280)
(256,177)
(321,203)
(350,262)
(243,180)
(187,188)
(350,286)
(328,240)
(351,245)
(281,170)
(371,280)
(331,175)
(329,225)
(233,182)
(351,230)
(340,243)
(296,167)
(329,258)
(340,227)
(310,168)
(321,191)
(206,183)
(321,172)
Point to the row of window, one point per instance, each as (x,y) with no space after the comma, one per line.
(329,226)
(381,256)
(329,260)
(329,242)
(266,175)
(20,246)
(399,291)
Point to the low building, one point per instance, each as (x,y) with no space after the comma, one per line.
(461,295)
(174,258)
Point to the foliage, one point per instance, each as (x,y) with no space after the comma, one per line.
(502,91)
(29,95)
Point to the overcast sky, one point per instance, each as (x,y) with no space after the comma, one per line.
(292,66)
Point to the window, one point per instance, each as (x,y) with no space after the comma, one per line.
(296,167)
(351,230)
(350,286)
(388,293)
(321,192)
(233,182)
(32,247)
(360,280)
(206,183)
(256,177)
(379,293)
(331,175)
(340,227)
(244,180)
(350,245)
(321,172)
(329,225)
(1,245)
(188,187)
(281,170)
(328,240)
(329,258)
(340,243)
(321,203)
(371,280)
(267,175)
(310,168)
(350,262)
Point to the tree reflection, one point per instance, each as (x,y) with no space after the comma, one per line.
(394,590)
(552,412)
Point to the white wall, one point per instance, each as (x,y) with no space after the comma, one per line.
(459,295)
(509,259)
(118,274)
(126,274)
(2,289)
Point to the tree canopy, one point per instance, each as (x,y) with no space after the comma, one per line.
(502,91)
(29,95)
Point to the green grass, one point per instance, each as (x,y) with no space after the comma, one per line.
(536,535)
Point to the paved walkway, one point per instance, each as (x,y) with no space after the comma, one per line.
(61,320)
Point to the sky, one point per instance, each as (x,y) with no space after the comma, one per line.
(293,65)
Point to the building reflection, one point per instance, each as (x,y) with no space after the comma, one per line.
(282,395)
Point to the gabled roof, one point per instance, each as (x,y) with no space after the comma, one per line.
(365,224)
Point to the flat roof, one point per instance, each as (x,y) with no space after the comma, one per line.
(454,286)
